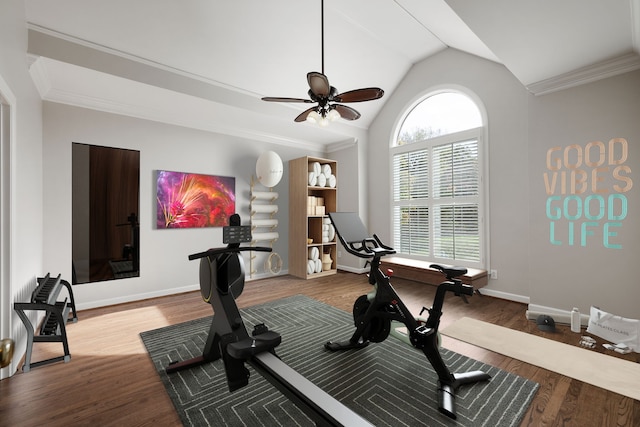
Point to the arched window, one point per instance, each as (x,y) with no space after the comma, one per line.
(437,197)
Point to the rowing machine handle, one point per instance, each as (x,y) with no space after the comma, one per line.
(217,251)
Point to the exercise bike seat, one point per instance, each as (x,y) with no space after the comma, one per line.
(450,272)
(249,347)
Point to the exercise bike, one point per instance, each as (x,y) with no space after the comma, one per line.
(222,276)
(373,313)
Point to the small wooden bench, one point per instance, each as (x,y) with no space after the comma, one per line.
(419,271)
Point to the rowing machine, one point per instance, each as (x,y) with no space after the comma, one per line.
(222,277)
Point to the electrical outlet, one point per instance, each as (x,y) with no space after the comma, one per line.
(339,254)
(494,274)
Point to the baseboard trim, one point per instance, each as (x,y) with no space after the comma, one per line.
(353,269)
(160,293)
(136,297)
(559,316)
(505,295)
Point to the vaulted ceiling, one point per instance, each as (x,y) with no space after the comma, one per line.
(206,63)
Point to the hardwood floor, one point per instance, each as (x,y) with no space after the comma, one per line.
(110,380)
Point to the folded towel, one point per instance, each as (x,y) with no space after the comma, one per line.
(332,233)
(314,253)
(316,168)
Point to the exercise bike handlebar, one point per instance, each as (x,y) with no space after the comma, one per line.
(368,248)
(228,249)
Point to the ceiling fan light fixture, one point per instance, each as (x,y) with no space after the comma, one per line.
(314,117)
(333,115)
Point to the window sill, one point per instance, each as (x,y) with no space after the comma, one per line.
(419,271)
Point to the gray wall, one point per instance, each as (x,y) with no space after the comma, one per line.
(504,101)
(352,193)
(522,128)
(164,267)
(562,274)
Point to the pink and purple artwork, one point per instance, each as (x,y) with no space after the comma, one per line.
(189,200)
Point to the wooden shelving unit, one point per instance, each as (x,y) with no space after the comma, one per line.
(305,223)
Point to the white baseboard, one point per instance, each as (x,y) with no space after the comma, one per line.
(136,297)
(559,316)
(265,275)
(353,269)
(159,293)
(504,295)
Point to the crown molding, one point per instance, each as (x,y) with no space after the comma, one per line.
(601,70)
(341,145)
(39,75)
(51,54)
(38,29)
(151,114)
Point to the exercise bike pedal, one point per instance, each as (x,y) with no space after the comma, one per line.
(345,345)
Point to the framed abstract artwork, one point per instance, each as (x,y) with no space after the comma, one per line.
(189,200)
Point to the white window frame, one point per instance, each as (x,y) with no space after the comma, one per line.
(479,134)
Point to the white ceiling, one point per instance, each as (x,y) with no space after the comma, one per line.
(206,63)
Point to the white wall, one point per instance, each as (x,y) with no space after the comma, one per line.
(504,100)
(164,267)
(26,172)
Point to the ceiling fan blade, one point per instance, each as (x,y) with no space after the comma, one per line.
(303,116)
(276,99)
(319,84)
(346,113)
(359,95)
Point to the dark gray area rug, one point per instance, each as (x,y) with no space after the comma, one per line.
(389,383)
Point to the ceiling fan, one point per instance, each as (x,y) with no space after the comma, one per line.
(329,102)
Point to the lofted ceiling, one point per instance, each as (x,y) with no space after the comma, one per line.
(206,63)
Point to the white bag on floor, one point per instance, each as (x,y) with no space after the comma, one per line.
(617,329)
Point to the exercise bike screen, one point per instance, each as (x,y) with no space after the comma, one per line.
(349,226)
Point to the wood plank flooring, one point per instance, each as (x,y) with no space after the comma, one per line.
(110,380)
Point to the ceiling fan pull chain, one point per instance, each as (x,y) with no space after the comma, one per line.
(322,32)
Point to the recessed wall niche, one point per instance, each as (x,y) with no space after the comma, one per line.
(105,209)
